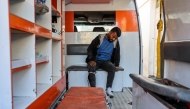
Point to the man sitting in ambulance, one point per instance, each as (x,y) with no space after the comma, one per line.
(104,53)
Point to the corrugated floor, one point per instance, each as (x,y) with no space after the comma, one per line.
(121,100)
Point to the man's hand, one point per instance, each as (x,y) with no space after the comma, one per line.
(92,63)
(116,69)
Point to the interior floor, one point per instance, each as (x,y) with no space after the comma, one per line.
(121,100)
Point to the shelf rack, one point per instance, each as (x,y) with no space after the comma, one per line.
(31,77)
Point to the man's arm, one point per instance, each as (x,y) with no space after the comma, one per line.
(91,47)
(117,60)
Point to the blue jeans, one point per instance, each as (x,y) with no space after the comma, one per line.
(105,65)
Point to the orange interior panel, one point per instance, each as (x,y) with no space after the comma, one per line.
(42,63)
(54,3)
(127,21)
(21,24)
(42,31)
(24,25)
(56,10)
(89,92)
(21,68)
(69,21)
(48,97)
(82,103)
(61,35)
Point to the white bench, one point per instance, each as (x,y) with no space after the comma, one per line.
(78,76)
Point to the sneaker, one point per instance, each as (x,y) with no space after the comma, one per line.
(109,92)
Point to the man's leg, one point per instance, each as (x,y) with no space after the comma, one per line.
(91,74)
(110,68)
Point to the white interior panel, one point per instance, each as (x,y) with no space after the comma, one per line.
(57,27)
(5,63)
(129,51)
(22,102)
(59,6)
(56,78)
(101,79)
(113,5)
(18,7)
(45,20)
(44,71)
(24,82)
(43,46)
(23,46)
(74,60)
(147,39)
(118,81)
(177,72)
(56,46)
(41,88)
(43,74)
(78,78)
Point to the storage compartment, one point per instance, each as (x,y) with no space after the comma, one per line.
(43,64)
(20,64)
(43,19)
(56,58)
(56,8)
(23,9)
(56,19)
(29,70)
(42,60)
(23,80)
(56,27)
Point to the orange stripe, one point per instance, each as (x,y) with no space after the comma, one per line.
(42,63)
(21,68)
(21,24)
(69,21)
(127,21)
(47,98)
(54,3)
(42,31)
(61,42)
(54,9)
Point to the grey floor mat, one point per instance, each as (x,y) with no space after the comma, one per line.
(121,100)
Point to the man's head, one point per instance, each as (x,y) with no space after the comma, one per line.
(113,34)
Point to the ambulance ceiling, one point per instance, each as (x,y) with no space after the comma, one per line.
(86,1)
